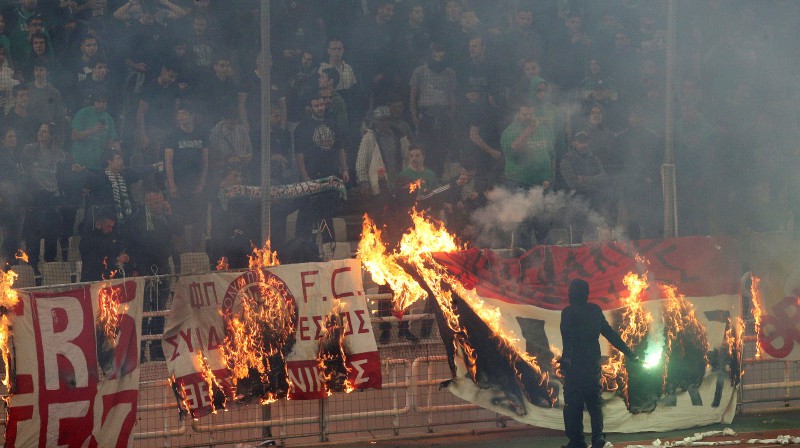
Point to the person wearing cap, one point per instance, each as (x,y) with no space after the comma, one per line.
(93,131)
(379,154)
(582,323)
(584,174)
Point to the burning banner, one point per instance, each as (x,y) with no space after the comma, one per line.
(499,319)
(75,380)
(775,265)
(300,331)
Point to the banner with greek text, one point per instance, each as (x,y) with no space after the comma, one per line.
(775,260)
(695,375)
(75,378)
(207,309)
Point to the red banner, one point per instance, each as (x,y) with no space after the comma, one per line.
(702,266)
(72,387)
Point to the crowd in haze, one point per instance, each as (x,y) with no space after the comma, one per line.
(127,123)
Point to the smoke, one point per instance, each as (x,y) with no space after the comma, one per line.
(509,211)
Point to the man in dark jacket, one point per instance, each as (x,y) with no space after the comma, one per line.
(102,253)
(581,325)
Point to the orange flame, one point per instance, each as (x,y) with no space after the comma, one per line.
(258,333)
(215,389)
(222,264)
(415,250)
(414,186)
(263,257)
(633,330)
(21,255)
(757,308)
(107,313)
(8,300)
(734,341)
(332,358)
(183,399)
(681,325)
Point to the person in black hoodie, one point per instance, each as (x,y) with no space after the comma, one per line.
(582,323)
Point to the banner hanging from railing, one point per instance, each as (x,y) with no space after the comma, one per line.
(301,331)
(75,374)
(675,301)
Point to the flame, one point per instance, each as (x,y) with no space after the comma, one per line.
(685,339)
(633,330)
(107,313)
(734,341)
(757,308)
(415,253)
(260,334)
(222,264)
(8,300)
(182,398)
(215,390)
(332,358)
(263,257)
(414,186)
(21,255)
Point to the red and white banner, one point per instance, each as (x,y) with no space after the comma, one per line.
(530,291)
(775,259)
(196,326)
(72,387)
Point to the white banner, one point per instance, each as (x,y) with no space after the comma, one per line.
(200,317)
(713,401)
(694,382)
(72,386)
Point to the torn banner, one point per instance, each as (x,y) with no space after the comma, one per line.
(700,387)
(290,335)
(775,260)
(72,385)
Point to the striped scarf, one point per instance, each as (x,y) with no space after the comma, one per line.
(120,191)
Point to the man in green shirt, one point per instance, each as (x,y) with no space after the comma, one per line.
(530,162)
(529,152)
(93,131)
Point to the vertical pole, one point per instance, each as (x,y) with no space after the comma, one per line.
(264,66)
(266,82)
(668,169)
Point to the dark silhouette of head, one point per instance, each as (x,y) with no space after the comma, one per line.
(578,291)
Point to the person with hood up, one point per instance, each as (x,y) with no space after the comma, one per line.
(582,323)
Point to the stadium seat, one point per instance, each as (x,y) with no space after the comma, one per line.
(56,273)
(195,263)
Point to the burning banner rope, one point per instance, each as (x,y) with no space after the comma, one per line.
(757,308)
(697,440)
(8,300)
(412,273)
(259,337)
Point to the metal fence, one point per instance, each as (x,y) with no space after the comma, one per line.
(411,401)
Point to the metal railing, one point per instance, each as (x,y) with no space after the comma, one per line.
(410,402)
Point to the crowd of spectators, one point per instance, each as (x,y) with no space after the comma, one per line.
(122,121)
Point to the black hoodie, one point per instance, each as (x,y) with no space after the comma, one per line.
(581,325)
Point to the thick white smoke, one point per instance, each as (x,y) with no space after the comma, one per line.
(507,210)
